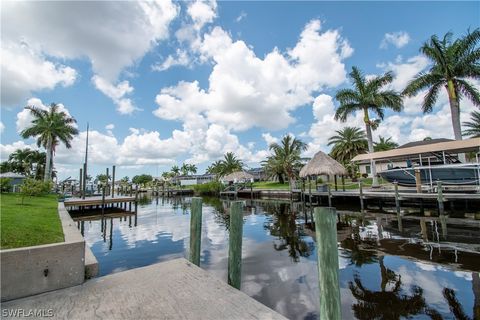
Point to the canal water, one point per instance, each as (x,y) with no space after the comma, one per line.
(418,269)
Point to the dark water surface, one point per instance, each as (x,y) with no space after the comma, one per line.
(419,273)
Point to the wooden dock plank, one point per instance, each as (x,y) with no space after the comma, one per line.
(175,289)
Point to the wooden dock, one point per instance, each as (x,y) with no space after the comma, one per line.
(97,201)
(391,195)
(176,289)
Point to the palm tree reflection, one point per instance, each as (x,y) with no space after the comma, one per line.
(284,227)
(386,304)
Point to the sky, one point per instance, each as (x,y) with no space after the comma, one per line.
(162,83)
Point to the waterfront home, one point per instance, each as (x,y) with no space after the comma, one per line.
(193,179)
(16,179)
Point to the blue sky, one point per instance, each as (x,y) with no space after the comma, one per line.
(162,83)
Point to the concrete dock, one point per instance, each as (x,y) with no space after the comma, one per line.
(175,289)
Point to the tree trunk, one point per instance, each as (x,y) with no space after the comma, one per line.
(455,114)
(280,179)
(373,168)
(48,163)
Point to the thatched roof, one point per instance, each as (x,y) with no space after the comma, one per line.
(322,164)
(238,176)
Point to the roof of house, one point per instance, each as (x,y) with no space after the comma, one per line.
(423,142)
(454,146)
(12,175)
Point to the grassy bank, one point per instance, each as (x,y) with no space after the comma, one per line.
(33,223)
(270,185)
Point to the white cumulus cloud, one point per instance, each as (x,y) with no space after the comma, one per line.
(398,39)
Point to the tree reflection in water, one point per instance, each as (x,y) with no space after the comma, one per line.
(386,304)
(284,226)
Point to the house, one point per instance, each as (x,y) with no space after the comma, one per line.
(193,179)
(258,174)
(16,179)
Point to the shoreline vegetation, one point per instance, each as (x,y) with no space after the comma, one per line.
(36,222)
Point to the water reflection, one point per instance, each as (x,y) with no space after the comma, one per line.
(419,271)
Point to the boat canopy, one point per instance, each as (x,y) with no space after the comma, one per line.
(456,146)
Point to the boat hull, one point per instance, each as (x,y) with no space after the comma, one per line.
(464,175)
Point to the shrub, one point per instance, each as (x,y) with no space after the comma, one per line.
(5,184)
(32,187)
(210,188)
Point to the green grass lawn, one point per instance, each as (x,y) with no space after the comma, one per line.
(33,223)
(270,185)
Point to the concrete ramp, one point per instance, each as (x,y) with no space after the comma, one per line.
(175,289)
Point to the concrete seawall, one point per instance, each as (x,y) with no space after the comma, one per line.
(31,270)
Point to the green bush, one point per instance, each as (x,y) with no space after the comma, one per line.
(32,187)
(5,184)
(210,188)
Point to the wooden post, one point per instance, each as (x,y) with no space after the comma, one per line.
(235,244)
(136,202)
(329,195)
(195,230)
(309,191)
(343,182)
(423,229)
(336,185)
(397,207)
(327,262)
(80,188)
(360,186)
(106,172)
(84,190)
(418,181)
(440,198)
(113,181)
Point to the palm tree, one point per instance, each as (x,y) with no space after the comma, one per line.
(175,170)
(473,127)
(184,169)
(384,144)
(368,96)
(215,167)
(287,156)
(230,164)
(192,168)
(50,127)
(454,63)
(348,142)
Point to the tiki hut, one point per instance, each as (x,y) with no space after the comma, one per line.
(237,176)
(322,164)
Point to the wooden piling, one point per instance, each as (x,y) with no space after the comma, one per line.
(106,172)
(440,198)
(103,201)
(418,181)
(235,244)
(113,181)
(195,230)
(397,207)
(360,186)
(329,195)
(136,200)
(327,262)
(84,189)
(336,185)
(309,192)
(343,183)
(80,185)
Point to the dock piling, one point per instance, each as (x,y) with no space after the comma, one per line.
(195,230)
(440,198)
(113,181)
(330,194)
(327,255)
(360,186)
(235,244)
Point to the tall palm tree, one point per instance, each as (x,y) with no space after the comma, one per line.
(347,143)
(454,63)
(230,164)
(192,168)
(473,127)
(287,156)
(50,127)
(368,97)
(185,169)
(384,144)
(175,170)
